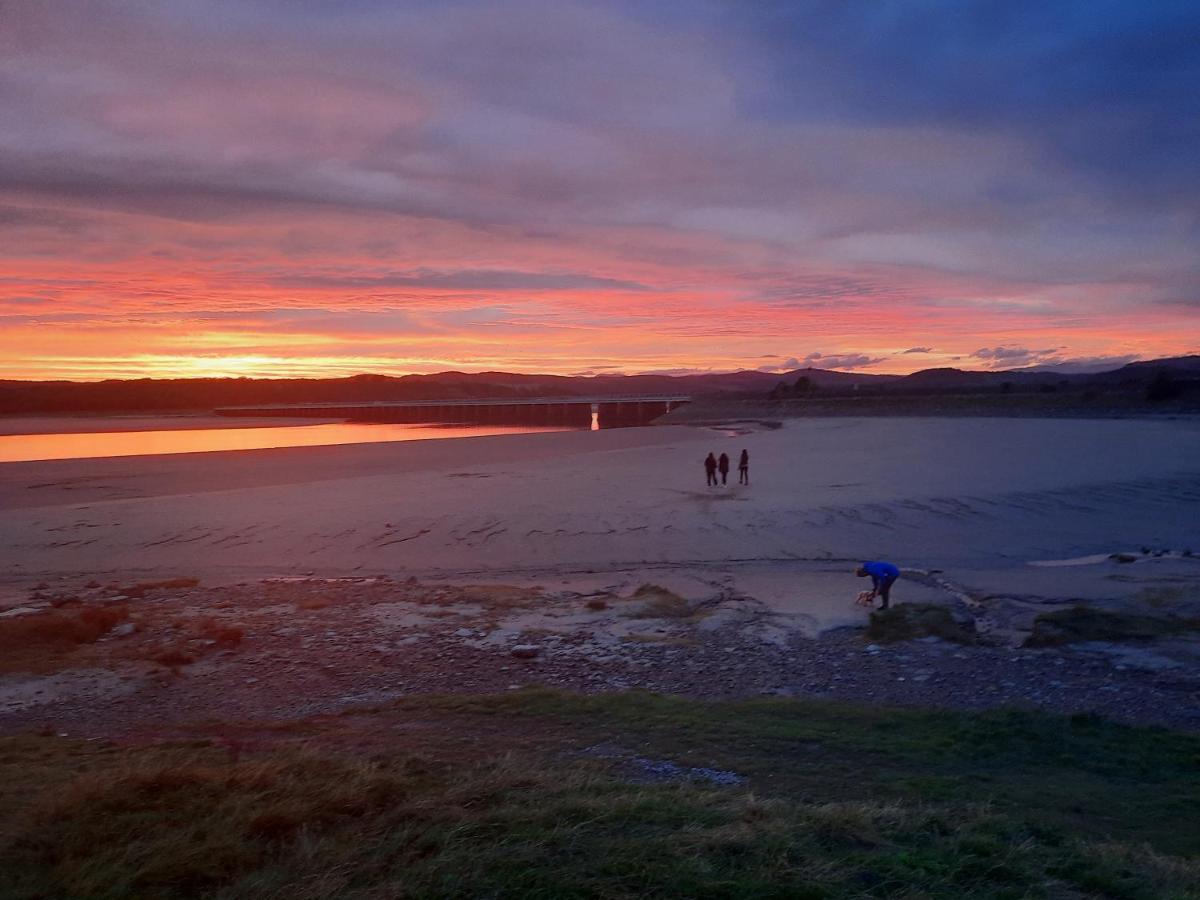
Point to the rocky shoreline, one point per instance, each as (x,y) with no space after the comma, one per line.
(284,649)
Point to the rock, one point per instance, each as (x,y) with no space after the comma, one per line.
(124,630)
(464,632)
(1123,557)
(872,648)
(526,651)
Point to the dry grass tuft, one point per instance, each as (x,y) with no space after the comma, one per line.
(1086,623)
(137,591)
(45,641)
(908,621)
(172,657)
(497,596)
(313,603)
(197,637)
(61,627)
(57,639)
(659,603)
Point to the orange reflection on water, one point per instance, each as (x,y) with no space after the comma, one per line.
(30,447)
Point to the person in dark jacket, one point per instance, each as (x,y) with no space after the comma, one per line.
(744,468)
(710,469)
(723,467)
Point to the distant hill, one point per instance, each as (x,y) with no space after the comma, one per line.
(1187,367)
(1132,374)
(151,395)
(961,378)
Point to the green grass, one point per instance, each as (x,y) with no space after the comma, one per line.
(1085,623)
(492,797)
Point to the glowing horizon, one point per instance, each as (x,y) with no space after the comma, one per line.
(256,189)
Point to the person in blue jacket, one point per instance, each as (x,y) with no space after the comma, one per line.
(883,576)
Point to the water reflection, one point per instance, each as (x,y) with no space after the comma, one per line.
(29,447)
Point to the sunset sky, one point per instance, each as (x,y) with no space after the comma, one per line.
(311,187)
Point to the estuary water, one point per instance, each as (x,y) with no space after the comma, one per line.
(94,444)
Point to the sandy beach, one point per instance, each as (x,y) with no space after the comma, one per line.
(997,520)
(960,495)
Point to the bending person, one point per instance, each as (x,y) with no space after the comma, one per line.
(883,576)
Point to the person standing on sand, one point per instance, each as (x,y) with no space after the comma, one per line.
(723,467)
(883,576)
(744,468)
(710,469)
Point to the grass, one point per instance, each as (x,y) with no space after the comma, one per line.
(194,638)
(138,591)
(47,640)
(840,801)
(1085,623)
(493,597)
(658,602)
(313,603)
(907,621)
(1182,596)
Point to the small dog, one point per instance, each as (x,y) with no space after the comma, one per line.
(865,598)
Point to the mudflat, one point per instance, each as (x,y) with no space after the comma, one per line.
(961,494)
(600,560)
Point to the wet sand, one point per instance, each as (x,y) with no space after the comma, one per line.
(972,497)
(414,537)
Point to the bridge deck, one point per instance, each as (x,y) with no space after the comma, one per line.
(487,401)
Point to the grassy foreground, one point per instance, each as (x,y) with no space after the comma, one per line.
(502,797)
